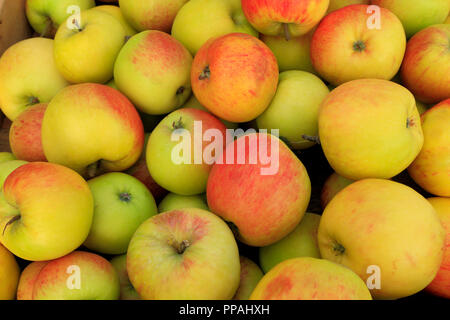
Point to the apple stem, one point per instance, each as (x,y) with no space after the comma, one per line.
(287,34)
(314,139)
(183,246)
(11,221)
(178,124)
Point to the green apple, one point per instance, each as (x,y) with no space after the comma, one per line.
(45,16)
(200,20)
(127,291)
(116,13)
(6,156)
(251,274)
(7,167)
(85,51)
(302,242)
(121,204)
(187,254)
(295,108)
(175,201)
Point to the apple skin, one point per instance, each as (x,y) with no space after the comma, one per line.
(309,278)
(127,291)
(251,274)
(270,17)
(301,242)
(344,38)
(28,278)
(386,224)
(6,156)
(440,286)
(294,110)
(338,4)
(351,124)
(416,15)
(185,178)
(113,134)
(331,187)
(9,274)
(200,20)
(7,167)
(175,201)
(22,80)
(153,71)
(45,16)
(88,54)
(54,208)
(121,204)
(263,208)
(430,169)
(98,279)
(426,66)
(193,255)
(25,134)
(151,14)
(235,77)
(116,13)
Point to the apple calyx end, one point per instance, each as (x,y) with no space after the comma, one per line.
(359,46)
(125,197)
(11,221)
(180,91)
(206,74)
(339,249)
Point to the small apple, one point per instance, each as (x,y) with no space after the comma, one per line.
(332,186)
(117,13)
(45,211)
(7,167)
(338,4)
(251,274)
(28,278)
(175,201)
(184,254)
(6,156)
(127,291)
(9,274)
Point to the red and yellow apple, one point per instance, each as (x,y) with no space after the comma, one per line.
(251,274)
(331,187)
(27,279)
(9,274)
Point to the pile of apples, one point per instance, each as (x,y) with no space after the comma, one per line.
(93,205)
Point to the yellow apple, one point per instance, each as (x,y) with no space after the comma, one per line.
(9,274)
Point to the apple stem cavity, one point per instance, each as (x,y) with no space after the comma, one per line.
(359,46)
(206,74)
(125,197)
(32,101)
(181,247)
(339,249)
(314,139)
(287,34)
(11,221)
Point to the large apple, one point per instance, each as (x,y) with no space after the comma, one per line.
(92,128)
(426,66)
(284,17)
(431,168)
(310,279)
(302,242)
(264,199)
(331,187)
(28,76)
(200,20)
(45,16)
(251,274)
(85,51)
(338,4)
(127,291)
(175,201)
(440,285)
(295,108)
(418,14)
(153,71)
(184,254)
(25,134)
(348,37)
(235,76)
(177,154)
(45,211)
(7,167)
(117,13)
(383,230)
(151,14)
(9,274)
(356,137)
(28,278)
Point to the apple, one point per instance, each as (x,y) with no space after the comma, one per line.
(45,16)
(92,129)
(440,285)
(151,14)
(200,20)
(357,139)
(383,229)
(331,187)
(262,203)
(426,66)
(310,279)
(9,275)
(45,211)
(7,167)
(175,201)
(235,77)
(28,76)
(153,71)
(25,134)
(184,254)
(344,38)
(77,276)
(85,51)
(301,242)
(117,13)
(338,4)
(430,169)
(251,274)
(293,54)
(417,15)
(295,108)
(178,170)
(284,17)
(6,156)
(127,291)
(28,278)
